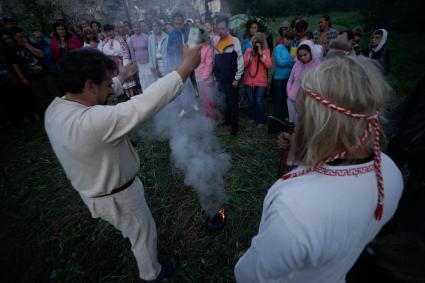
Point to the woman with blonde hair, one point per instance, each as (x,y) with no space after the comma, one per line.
(257,61)
(319,217)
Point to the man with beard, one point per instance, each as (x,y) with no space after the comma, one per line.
(92,144)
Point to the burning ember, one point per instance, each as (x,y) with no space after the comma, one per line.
(216,221)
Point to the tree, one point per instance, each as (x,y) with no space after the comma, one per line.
(399,15)
(271,8)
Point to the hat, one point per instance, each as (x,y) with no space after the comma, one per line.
(285,24)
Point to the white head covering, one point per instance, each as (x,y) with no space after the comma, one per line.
(383,40)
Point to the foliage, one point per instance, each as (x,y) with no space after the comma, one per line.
(44,12)
(397,15)
(274,8)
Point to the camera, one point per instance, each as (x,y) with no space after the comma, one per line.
(256,46)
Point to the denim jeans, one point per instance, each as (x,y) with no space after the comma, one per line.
(256,108)
(280,108)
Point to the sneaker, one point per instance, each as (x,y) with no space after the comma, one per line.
(195,107)
(181,114)
(166,270)
(260,126)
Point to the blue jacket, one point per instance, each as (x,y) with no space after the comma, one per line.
(283,62)
(45,47)
(246,44)
(175,48)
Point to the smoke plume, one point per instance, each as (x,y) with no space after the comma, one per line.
(195,149)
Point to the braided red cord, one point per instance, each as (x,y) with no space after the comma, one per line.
(373,123)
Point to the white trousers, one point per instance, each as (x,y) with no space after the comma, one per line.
(128,212)
(145,75)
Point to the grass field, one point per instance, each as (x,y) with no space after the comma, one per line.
(49,236)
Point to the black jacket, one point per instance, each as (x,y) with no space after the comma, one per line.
(382,56)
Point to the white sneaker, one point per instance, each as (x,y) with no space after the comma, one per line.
(181,114)
(196,107)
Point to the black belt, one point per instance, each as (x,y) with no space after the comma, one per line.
(119,189)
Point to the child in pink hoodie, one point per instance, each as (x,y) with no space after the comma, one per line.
(205,80)
(305,61)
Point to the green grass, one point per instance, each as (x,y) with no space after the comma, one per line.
(50,236)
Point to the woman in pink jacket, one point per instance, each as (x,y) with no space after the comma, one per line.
(205,80)
(257,61)
(305,61)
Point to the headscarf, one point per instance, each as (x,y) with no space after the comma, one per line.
(383,40)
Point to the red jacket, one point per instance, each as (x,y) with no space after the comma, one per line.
(72,43)
(252,77)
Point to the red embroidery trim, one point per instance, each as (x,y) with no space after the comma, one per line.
(373,124)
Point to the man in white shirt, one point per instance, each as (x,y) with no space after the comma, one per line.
(318,218)
(91,142)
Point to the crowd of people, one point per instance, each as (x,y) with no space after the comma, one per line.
(317,218)
(31,61)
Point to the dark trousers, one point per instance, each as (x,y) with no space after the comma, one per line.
(41,91)
(231,112)
(280,108)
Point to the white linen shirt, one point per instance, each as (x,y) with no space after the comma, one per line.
(314,227)
(92,144)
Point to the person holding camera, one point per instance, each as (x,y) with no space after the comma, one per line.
(257,61)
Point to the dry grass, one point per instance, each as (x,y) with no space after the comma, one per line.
(49,235)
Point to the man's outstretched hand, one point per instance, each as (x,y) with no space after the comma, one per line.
(127,72)
(191,60)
